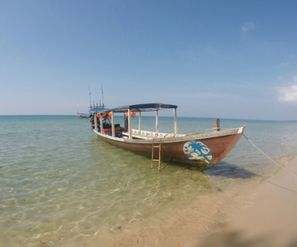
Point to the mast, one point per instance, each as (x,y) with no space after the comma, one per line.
(90,97)
(102,96)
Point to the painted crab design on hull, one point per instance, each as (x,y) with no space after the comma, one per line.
(196,150)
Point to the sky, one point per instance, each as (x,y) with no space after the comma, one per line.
(229,59)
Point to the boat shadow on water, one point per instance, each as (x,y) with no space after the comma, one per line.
(228,170)
(233,238)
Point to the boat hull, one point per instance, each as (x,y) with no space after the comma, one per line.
(196,148)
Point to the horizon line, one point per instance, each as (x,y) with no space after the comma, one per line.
(225,118)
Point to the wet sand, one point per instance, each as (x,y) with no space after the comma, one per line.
(258,212)
(265,216)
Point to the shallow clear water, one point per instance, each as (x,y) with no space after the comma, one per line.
(57,180)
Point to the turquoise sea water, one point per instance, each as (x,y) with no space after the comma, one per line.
(58,181)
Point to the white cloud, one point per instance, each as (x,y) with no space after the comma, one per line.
(284,64)
(248,27)
(288,93)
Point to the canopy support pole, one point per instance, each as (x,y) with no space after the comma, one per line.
(129,124)
(157,121)
(95,122)
(139,121)
(217,124)
(175,122)
(101,124)
(112,124)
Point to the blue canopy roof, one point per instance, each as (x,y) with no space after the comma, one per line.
(142,107)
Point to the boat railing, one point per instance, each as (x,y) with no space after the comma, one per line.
(146,134)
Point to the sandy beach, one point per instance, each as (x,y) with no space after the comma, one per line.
(262,215)
(261,212)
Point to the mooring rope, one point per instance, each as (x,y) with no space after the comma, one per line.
(261,150)
(282,187)
(267,156)
(274,162)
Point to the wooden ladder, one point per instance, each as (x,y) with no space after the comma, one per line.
(158,148)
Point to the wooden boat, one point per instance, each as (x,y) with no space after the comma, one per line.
(82,115)
(209,147)
(93,107)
